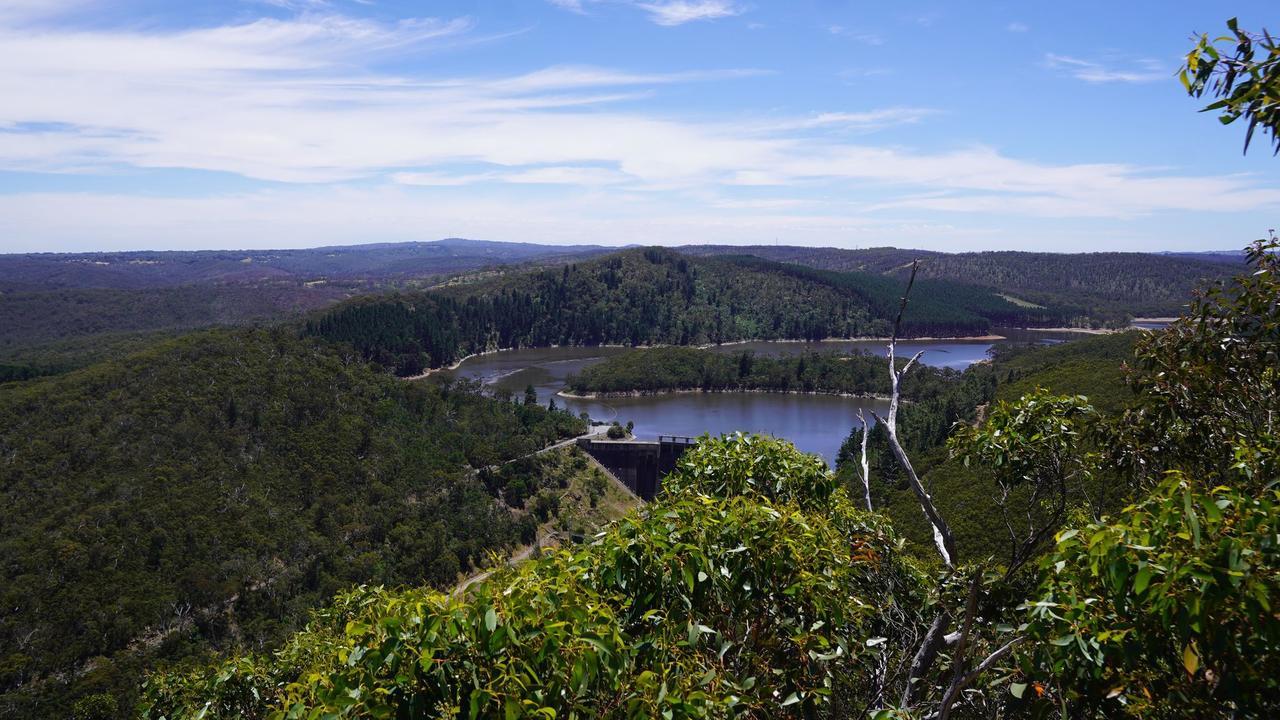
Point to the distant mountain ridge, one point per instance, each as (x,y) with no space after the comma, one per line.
(47,299)
(378,261)
(1096,285)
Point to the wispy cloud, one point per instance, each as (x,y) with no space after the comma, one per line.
(862,37)
(570,5)
(1094,71)
(679,12)
(857,121)
(295,4)
(1017,27)
(551,175)
(23,14)
(666,12)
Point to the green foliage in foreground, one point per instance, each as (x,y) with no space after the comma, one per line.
(207,493)
(1167,610)
(752,588)
(1242,70)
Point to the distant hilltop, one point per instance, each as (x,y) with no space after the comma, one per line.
(410,260)
(374,261)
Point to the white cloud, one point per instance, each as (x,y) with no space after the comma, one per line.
(1017,27)
(1140,71)
(570,5)
(565,77)
(862,37)
(860,121)
(666,12)
(551,175)
(301,101)
(22,12)
(678,12)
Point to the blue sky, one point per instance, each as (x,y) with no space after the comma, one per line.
(132,124)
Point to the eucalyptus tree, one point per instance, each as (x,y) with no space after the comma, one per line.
(1241,70)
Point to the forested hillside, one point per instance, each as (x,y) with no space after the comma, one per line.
(207,493)
(64,311)
(33,321)
(1098,287)
(50,300)
(751,588)
(649,297)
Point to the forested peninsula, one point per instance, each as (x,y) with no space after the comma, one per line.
(674,369)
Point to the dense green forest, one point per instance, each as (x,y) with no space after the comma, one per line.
(649,297)
(48,301)
(753,587)
(208,492)
(1090,288)
(42,329)
(75,352)
(60,312)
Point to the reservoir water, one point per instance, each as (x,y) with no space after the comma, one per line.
(815,423)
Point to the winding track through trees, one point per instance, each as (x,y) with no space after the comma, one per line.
(523,553)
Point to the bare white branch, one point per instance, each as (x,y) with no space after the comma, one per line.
(942,536)
(866,466)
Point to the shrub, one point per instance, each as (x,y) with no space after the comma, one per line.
(753,466)
(696,606)
(1167,611)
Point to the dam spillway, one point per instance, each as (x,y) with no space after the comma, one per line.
(639,464)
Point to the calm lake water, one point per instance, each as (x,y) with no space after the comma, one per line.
(815,423)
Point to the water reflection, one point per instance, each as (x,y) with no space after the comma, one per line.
(815,423)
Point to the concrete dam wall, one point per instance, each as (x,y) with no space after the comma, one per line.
(639,464)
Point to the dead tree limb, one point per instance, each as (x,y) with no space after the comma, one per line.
(866,466)
(924,657)
(942,536)
(967,679)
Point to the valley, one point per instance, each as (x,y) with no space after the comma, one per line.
(639,359)
(267,468)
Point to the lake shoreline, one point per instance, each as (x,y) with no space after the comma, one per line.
(708,346)
(925,338)
(619,394)
(1083,331)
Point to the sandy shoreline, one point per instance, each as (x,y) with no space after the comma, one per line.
(692,391)
(926,338)
(1084,331)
